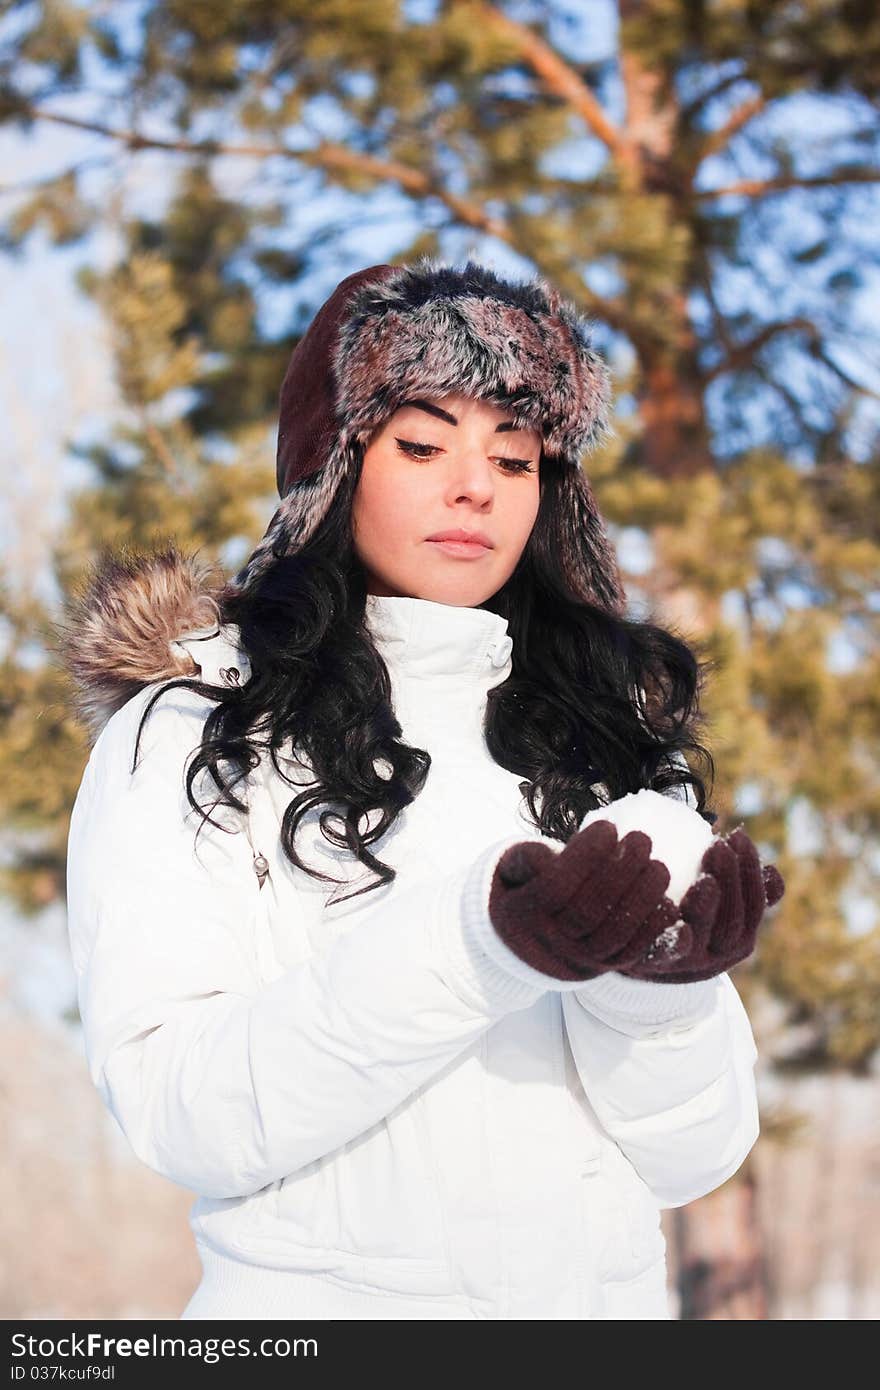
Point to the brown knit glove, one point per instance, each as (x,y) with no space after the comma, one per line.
(598,904)
(720,914)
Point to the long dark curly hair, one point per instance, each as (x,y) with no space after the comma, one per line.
(595,704)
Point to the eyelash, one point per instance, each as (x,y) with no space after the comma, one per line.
(409,446)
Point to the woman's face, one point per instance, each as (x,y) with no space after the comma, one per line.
(445,463)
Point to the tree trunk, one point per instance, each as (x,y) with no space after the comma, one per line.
(720,1260)
(675,443)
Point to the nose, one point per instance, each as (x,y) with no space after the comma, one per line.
(471,477)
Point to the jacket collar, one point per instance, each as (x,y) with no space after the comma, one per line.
(419,639)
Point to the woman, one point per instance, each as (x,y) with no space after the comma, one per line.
(465,1086)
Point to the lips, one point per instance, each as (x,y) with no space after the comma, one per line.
(477,538)
(461,550)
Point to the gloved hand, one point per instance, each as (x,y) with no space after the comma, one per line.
(596,905)
(720,914)
(601,905)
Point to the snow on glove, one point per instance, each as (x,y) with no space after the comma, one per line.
(596,905)
(719,914)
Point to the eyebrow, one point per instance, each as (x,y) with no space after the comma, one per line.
(442,414)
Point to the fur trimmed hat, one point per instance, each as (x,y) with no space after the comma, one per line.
(387,333)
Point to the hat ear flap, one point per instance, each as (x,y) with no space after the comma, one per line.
(297,516)
(587,555)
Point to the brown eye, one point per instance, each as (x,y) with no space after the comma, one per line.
(518,465)
(409,446)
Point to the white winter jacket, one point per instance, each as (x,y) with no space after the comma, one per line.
(384,1113)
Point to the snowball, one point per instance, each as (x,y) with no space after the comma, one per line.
(679,836)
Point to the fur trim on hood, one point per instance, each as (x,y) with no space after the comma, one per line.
(128,624)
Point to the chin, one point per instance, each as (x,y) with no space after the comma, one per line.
(434,589)
(458,600)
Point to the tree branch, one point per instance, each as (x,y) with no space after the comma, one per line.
(756,188)
(717,139)
(821,355)
(691,109)
(795,406)
(742,354)
(560,78)
(326,155)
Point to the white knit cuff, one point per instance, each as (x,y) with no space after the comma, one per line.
(479,941)
(647,1005)
(477,972)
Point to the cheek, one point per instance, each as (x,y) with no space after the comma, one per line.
(386,505)
(523,511)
